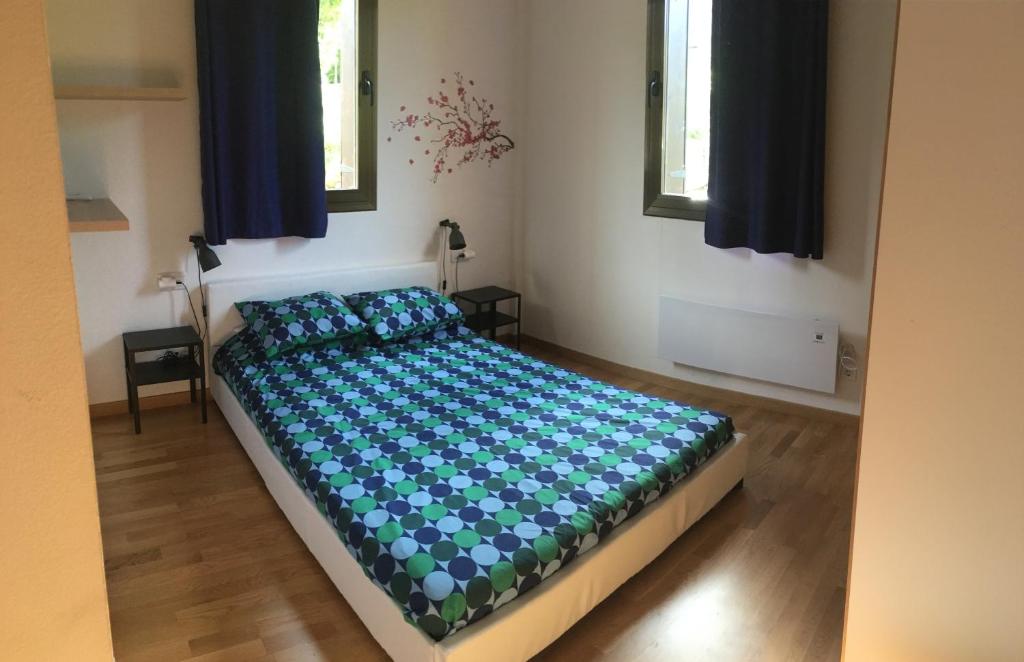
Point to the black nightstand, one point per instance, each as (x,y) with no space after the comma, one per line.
(159,372)
(482,319)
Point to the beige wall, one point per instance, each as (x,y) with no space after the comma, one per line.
(53,597)
(939,525)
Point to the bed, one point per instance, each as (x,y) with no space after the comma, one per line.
(469,502)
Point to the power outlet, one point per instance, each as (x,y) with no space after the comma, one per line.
(847,360)
(169,280)
(463,255)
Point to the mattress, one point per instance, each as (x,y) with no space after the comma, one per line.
(460,473)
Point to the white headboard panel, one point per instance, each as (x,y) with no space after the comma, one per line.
(222,295)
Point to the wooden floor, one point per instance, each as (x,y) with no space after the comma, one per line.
(201,565)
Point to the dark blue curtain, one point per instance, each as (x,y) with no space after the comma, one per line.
(261,120)
(768,67)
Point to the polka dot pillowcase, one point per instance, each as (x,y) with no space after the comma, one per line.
(404,312)
(300,322)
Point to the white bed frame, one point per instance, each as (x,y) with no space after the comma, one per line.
(529,623)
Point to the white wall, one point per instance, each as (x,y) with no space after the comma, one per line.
(593,266)
(559,216)
(938,536)
(145,156)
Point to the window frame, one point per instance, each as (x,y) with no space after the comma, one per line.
(657,203)
(363,197)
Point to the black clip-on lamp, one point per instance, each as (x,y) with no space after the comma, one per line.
(456,242)
(207,260)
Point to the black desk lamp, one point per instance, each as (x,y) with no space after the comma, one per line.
(207,260)
(456,242)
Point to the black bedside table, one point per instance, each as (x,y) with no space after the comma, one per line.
(159,372)
(482,319)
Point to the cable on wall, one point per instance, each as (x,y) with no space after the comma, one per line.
(444,259)
(848,360)
(201,329)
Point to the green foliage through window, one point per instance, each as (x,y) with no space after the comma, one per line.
(348,53)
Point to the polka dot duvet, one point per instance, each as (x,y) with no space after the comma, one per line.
(458,472)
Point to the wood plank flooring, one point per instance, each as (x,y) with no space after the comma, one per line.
(201,564)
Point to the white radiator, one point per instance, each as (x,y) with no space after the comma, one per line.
(785,350)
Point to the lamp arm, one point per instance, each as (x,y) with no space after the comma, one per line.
(202,296)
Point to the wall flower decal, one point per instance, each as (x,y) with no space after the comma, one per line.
(462,126)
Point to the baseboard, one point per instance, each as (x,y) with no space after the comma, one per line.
(713,392)
(102,409)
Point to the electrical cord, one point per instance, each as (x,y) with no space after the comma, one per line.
(444,260)
(202,293)
(848,360)
(202,330)
(457,261)
(168,357)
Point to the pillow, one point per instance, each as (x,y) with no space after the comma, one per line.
(304,321)
(404,312)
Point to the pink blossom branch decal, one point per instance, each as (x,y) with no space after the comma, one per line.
(461,122)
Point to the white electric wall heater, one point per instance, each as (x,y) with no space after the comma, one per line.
(786,350)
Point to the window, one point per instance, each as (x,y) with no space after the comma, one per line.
(677,148)
(348,78)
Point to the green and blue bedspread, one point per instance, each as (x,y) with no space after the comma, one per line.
(460,473)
